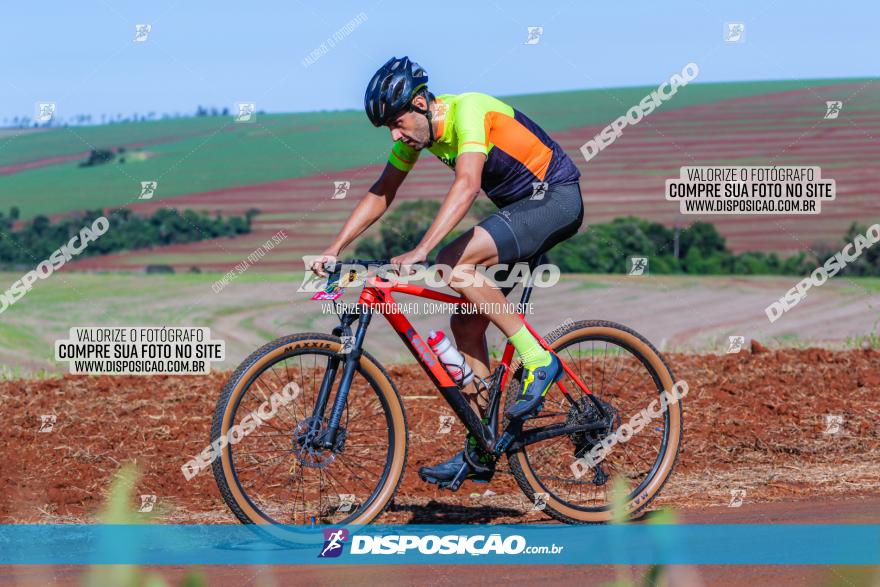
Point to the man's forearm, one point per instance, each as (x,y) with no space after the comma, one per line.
(368,210)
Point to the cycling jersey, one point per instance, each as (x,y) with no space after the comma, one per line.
(518,152)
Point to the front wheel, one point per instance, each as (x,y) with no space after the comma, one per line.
(627,376)
(272,471)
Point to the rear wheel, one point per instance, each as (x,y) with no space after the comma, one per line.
(626,374)
(272,473)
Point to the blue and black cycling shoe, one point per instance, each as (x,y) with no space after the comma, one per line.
(452,473)
(536,382)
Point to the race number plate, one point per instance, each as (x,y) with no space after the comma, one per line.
(331,290)
(332,293)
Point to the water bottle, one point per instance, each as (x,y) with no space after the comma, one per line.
(451,359)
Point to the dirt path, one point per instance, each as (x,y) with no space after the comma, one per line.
(677,313)
(754,423)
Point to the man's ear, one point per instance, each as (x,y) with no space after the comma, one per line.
(420,102)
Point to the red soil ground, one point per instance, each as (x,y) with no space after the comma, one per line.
(752,421)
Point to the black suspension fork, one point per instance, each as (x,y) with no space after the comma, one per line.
(327,438)
(343,329)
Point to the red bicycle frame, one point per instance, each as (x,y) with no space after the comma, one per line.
(377,296)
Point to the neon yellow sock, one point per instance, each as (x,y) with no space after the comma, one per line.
(472,444)
(529,349)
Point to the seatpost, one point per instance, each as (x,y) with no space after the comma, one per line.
(527,288)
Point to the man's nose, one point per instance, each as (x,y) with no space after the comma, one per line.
(396,134)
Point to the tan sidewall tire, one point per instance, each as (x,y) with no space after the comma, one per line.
(526,477)
(370,367)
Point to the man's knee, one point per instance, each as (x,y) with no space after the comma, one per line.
(448,256)
(453,268)
(468,326)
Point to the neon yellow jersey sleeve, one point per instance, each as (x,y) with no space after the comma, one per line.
(471,122)
(518,152)
(403,156)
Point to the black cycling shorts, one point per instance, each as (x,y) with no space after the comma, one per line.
(531,226)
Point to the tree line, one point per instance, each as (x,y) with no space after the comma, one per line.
(118,118)
(38,238)
(608,247)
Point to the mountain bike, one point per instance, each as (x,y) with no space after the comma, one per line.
(335,452)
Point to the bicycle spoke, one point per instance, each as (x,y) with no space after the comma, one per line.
(283,385)
(367,430)
(290,481)
(255,452)
(259,464)
(592,354)
(354,474)
(626,385)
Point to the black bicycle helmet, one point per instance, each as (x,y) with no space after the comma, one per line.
(392,89)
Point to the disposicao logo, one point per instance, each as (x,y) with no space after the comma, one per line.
(334,539)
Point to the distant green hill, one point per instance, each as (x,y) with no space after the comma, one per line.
(200,154)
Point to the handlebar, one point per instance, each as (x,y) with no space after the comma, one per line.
(332,268)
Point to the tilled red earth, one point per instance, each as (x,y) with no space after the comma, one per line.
(764,424)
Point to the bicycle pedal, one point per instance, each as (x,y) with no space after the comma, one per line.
(456,481)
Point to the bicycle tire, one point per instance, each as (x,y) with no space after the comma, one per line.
(277,350)
(521,467)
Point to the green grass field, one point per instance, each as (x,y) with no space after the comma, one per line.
(201,154)
(674,312)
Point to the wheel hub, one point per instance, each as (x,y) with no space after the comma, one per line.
(305,448)
(584,412)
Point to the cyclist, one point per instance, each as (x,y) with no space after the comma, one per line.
(492,147)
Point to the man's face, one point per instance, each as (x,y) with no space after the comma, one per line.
(411,127)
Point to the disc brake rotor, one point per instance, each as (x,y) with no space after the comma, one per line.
(303,447)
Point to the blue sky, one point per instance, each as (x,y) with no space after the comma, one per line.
(81,54)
